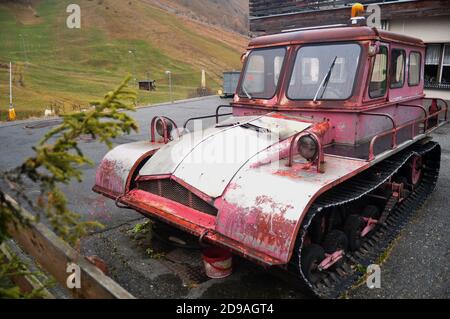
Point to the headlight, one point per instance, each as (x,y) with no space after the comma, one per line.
(308,147)
(160,128)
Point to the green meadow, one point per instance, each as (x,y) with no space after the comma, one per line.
(55,65)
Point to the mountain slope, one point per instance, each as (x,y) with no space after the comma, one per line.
(231,14)
(116,37)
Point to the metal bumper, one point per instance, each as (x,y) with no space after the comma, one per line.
(187,219)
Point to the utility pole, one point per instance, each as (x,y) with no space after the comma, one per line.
(12,112)
(169,74)
(203,79)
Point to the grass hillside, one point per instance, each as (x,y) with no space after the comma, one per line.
(54,64)
(231,14)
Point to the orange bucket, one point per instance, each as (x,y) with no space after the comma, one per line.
(218,262)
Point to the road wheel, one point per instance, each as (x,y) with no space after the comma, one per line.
(352,228)
(335,240)
(371,211)
(311,258)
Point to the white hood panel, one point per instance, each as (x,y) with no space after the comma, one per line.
(209,160)
(212,165)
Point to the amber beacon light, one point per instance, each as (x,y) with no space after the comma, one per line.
(357,10)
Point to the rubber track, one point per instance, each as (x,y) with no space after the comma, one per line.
(335,283)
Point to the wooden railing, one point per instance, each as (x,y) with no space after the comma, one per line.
(54,255)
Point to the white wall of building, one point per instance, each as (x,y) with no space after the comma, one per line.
(430,30)
(442,94)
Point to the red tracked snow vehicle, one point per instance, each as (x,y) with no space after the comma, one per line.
(330,154)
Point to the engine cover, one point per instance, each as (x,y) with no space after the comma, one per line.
(208,160)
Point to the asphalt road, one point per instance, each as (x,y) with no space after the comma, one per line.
(417,267)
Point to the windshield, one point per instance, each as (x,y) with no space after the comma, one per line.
(324,72)
(262,73)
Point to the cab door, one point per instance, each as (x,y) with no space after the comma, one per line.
(378,81)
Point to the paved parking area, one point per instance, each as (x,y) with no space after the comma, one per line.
(418,265)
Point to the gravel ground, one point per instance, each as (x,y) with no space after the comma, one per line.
(417,266)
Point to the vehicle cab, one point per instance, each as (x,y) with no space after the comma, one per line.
(362,81)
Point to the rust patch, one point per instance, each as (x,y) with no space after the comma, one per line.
(287,117)
(274,153)
(108,177)
(320,128)
(193,222)
(294,171)
(262,227)
(233,186)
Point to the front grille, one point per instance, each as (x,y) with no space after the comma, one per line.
(170,189)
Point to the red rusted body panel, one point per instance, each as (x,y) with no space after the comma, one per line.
(333,35)
(113,173)
(192,221)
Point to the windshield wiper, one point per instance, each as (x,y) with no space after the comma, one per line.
(246,92)
(325,80)
(227,125)
(255,128)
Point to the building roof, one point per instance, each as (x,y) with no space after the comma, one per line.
(272,16)
(259,8)
(334,34)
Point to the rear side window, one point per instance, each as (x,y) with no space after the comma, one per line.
(378,81)
(414,68)
(398,58)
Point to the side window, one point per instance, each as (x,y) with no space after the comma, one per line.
(398,58)
(414,68)
(378,81)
